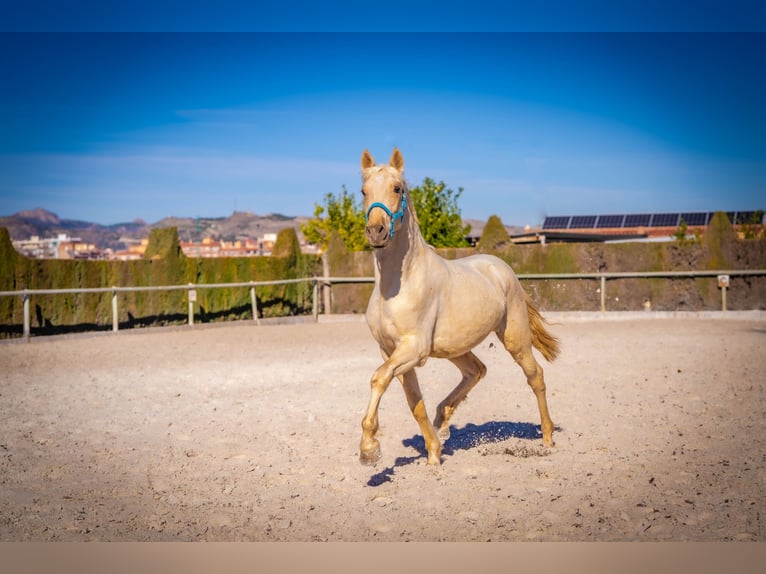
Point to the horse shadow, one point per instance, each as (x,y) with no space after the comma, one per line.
(465,438)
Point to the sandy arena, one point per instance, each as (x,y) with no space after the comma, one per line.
(240,432)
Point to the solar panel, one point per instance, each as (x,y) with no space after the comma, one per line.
(637,220)
(698,218)
(583,222)
(665,220)
(609,221)
(556,222)
(743,217)
(612,221)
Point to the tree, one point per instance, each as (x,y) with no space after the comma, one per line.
(752,228)
(438,214)
(163,244)
(434,203)
(680,233)
(719,239)
(493,235)
(342,214)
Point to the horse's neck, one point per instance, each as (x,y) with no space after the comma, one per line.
(397,262)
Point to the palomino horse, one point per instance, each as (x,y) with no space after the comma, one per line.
(425,306)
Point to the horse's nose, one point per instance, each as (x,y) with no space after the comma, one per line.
(376,234)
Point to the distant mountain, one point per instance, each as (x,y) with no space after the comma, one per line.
(44,223)
(239,225)
(40,222)
(39,215)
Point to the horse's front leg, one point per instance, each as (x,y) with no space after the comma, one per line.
(369,447)
(418,409)
(401,360)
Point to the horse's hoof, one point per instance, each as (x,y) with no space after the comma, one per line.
(371,457)
(435,456)
(435,462)
(443,434)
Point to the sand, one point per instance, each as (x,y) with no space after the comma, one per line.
(243,432)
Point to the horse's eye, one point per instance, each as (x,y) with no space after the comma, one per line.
(362,190)
(397,189)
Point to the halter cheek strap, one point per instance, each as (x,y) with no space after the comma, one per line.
(392,216)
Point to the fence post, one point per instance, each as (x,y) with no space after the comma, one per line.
(326,286)
(723,283)
(603,293)
(254,303)
(27,328)
(192,295)
(314,301)
(115,314)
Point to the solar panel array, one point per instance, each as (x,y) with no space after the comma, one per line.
(637,220)
(610,221)
(646,220)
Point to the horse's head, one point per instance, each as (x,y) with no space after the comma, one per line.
(385,197)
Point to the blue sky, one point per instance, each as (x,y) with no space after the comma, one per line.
(110,127)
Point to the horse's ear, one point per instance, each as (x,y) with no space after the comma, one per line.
(367,160)
(397,161)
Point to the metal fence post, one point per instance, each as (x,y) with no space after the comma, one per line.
(27,328)
(115,314)
(254,303)
(326,285)
(603,293)
(192,296)
(723,284)
(314,301)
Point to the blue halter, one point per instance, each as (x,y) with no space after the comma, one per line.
(392,216)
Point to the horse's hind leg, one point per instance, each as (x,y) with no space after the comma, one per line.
(522,354)
(473,370)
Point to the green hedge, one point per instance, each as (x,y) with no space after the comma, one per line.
(718,249)
(162,264)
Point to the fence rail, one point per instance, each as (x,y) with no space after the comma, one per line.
(191,288)
(723,278)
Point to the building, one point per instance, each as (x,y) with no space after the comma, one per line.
(210,247)
(135,249)
(631,227)
(60,247)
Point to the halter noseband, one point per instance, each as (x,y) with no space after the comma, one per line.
(392,216)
